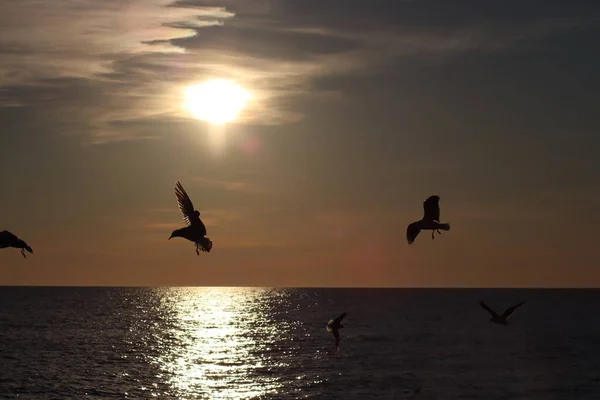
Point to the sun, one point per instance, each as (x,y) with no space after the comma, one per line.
(218,101)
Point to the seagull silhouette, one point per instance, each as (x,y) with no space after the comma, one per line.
(334,327)
(7,239)
(195,231)
(501,319)
(430,220)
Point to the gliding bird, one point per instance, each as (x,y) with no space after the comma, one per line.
(430,220)
(334,327)
(7,239)
(195,231)
(501,319)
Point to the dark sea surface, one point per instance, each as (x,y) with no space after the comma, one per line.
(260,343)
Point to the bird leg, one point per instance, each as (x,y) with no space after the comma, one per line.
(197,249)
(433,232)
(23,253)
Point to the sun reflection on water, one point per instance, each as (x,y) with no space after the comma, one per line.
(215,344)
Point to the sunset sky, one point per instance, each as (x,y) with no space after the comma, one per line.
(359,111)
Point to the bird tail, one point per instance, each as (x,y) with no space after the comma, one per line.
(445,227)
(206,244)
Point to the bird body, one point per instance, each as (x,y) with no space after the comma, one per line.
(193,235)
(430,220)
(8,239)
(334,327)
(195,231)
(501,319)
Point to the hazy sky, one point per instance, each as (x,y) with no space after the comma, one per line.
(360,110)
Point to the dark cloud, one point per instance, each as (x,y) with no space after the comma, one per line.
(270,45)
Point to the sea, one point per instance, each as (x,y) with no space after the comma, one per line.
(272,343)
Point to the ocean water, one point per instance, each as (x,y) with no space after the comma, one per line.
(261,343)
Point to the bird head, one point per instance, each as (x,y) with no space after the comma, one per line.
(176,233)
(22,245)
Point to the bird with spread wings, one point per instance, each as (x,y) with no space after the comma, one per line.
(195,231)
(430,220)
(334,327)
(501,319)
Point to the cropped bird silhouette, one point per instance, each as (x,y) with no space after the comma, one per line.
(195,231)
(334,327)
(430,220)
(7,239)
(501,319)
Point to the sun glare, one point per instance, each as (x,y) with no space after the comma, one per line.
(217,101)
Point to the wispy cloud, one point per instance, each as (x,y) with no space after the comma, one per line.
(163,226)
(80,39)
(217,218)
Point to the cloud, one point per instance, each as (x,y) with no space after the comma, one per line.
(79,39)
(219,218)
(88,67)
(163,226)
(116,70)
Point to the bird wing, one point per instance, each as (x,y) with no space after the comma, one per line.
(340,318)
(190,215)
(509,311)
(485,307)
(6,235)
(431,206)
(412,231)
(7,238)
(330,325)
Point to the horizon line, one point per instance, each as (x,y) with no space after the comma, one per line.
(315,287)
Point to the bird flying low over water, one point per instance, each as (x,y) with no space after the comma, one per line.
(501,319)
(7,239)
(430,220)
(334,327)
(195,231)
